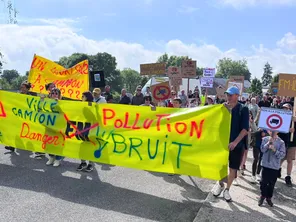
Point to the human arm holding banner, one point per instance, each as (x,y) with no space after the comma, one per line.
(266,141)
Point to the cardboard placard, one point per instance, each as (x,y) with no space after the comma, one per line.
(237,79)
(209,72)
(161,91)
(188,69)
(174,74)
(153,69)
(287,85)
(220,92)
(206,82)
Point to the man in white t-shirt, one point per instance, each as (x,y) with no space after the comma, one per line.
(97,96)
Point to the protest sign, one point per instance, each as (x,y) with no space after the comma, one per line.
(245,95)
(274,88)
(209,72)
(161,91)
(181,141)
(174,74)
(188,69)
(206,82)
(240,79)
(236,84)
(72,82)
(287,85)
(275,119)
(220,91)
(153,69)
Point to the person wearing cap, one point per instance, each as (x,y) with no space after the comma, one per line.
(290,148)
(97,96)
(210,101)
(238,131)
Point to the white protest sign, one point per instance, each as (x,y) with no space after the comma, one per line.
(206,82)
(209,72)
(275,119)
(245,95)
(237,85)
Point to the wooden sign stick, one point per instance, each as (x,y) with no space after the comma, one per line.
(294,111)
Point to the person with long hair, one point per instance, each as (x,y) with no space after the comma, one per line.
(54,160)
(86,97)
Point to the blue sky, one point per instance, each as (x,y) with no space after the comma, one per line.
(235,28)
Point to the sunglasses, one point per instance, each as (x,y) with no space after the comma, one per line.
(173,94)
(54,93)
(139,90)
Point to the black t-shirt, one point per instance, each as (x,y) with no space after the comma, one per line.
(125,100)
(239,121)
(108,96)
(264,103)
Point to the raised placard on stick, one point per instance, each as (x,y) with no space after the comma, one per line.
(153,69)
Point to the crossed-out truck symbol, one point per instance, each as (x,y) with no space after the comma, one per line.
(274,121)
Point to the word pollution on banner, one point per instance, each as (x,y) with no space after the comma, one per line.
(165,140)
(287,85)
(237,85)
(153,69)
(275,119)
(209,72)
(175,76)
(161,91)
(72,82)
(206,82)
(188,69)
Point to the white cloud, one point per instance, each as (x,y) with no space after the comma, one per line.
(187,9)
(288,42)
(19,43)
(248,3)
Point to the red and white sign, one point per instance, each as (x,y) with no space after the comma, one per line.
(275,119)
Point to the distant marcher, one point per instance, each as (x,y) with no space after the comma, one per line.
(97,98)
(124,99)
(138,98)
(107,94)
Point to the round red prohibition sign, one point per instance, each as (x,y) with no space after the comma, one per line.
(274,121)
(161,92)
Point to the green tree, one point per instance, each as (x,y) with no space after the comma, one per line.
(1,63)
(256,87)
(227,67)
(16,82)
(4,84)
(275,78)
(267,75)
(172,60)
(10,75)
(131,79)
(199,71)
(144,80)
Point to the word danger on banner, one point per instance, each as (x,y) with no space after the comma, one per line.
(275,119)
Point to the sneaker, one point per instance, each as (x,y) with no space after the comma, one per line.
(226,195)
(280,173)
(217,190)
(258,178)
(269,202)
(89,168)
(9,148)
(288,181)
(254,179)
(235,182)
(242,172)
(260,201)
(82,166)
(50,161)
(39,155)
(56,163)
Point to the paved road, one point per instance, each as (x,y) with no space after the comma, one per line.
(244,207)
(32,191)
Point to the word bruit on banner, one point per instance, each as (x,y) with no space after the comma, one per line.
(72,82)
(181,141)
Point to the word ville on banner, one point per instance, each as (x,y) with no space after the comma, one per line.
(72,82)
(181,141)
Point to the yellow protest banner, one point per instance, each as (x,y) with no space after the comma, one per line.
(181,141)
(72,82)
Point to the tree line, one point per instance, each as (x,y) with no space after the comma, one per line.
(130,79)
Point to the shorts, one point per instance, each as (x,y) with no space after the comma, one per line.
(290,153)
(235,157)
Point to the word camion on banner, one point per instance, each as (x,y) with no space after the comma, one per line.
(182,141)
(72,82)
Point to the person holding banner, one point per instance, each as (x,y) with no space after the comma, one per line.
(97,98)
(54,160)
(274,150)
(238,131)
(86,97)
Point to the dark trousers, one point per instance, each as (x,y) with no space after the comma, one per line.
(256,166)
(268,180)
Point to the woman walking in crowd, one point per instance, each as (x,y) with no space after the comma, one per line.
(273,149)
(86,97)
(254,108)
(54,160)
